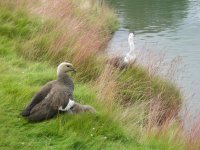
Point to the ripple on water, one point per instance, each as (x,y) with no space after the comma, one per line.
(172,26)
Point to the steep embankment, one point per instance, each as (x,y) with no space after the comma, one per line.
(34,38)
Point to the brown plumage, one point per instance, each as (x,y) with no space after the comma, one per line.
(78,108)
(45,103)
(129,59)
(117,62)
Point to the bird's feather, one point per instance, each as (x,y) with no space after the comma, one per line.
(37,98)
(58,96)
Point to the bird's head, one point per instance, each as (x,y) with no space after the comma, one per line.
(131,37)
(65,67)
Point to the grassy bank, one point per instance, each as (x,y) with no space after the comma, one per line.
(135,109)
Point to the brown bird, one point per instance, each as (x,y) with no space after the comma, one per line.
(54,94)
(79,108)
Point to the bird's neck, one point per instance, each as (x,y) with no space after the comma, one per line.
(66,80)
(63,77)
(132,47)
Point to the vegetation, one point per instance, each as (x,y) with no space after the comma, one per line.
(135,109)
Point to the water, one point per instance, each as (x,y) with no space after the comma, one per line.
(169,25)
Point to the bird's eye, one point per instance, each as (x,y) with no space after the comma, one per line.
(67,65)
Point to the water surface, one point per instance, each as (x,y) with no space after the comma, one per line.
(172,26)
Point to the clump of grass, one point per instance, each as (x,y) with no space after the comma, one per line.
(75,35)
(148,118)
(69,32)
(192,130)
(135,85)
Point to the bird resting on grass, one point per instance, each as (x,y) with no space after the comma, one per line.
(53,95)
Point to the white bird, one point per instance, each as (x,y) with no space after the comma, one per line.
(130,56)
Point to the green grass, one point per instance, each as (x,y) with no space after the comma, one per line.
(136,85)
(21,77)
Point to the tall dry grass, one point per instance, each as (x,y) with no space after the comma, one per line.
(191,124)
(151,114)
(81,32)
(127,89)
(73,31)
(147,105)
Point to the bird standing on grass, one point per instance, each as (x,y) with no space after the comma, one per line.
(53,96)
(130,57)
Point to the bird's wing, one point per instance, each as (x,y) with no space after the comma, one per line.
(37,98)
(58,96)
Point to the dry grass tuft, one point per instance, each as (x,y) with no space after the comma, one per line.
(107,86)
(192,132)
(73,31)
(81,34)
(69,32)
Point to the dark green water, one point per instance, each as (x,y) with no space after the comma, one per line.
(172,26)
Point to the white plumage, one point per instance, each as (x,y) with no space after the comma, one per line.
(68,107)
(130,56)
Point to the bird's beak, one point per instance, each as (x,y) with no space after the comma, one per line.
(74,70)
